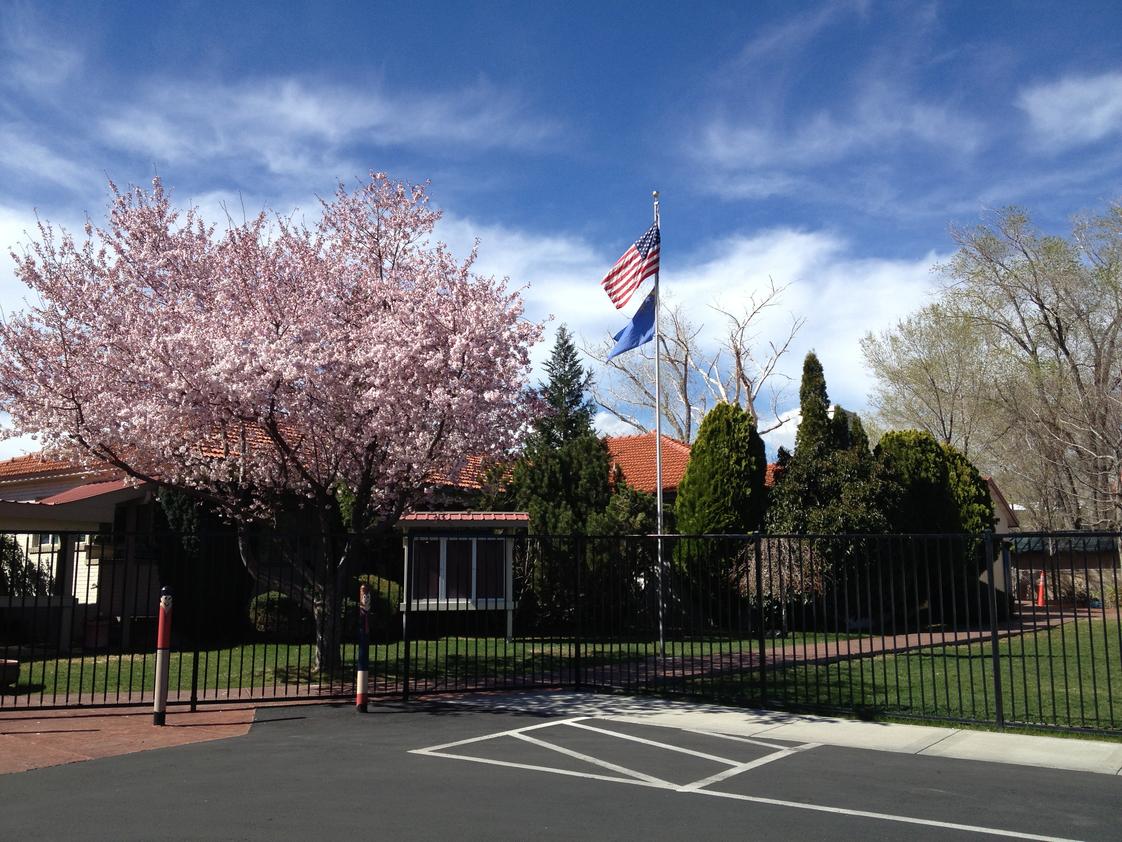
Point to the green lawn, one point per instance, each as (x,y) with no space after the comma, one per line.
(272,666)
(1042,682)
(1070,675)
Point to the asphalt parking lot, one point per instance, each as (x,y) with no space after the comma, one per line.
(448,771)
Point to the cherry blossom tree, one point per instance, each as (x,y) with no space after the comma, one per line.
(274,361)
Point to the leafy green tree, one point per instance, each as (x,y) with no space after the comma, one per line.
(723,487)
(918,465)
(970,492)
(562,487)
(19,576)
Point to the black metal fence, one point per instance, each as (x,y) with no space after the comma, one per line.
(1013,630)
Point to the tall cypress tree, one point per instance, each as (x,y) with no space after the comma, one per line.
(814,406)
(723,487)
(831,483)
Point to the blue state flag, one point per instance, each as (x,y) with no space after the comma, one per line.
(640,330)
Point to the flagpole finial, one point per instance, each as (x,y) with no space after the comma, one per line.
(654,193)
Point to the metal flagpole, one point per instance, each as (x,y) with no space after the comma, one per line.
(658,430)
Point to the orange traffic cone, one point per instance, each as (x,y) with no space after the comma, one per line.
(1040,601)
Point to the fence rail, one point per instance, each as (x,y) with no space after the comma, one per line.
(1020,629)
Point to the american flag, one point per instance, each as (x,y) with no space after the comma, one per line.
(636,265)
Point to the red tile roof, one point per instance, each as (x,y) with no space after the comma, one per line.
(772,474)
(470,517)
(635,456)
(470,475)
(37,465)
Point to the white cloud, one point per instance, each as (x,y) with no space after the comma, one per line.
(608,425)
(16,229)
(17,446)
(797,31)
(296,126)
(841,295)
(1074,110)
(783,436)
(22,156)
(31,58)
(881,115)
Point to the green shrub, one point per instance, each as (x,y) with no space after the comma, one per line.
(278,614)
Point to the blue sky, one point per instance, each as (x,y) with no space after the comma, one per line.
(828,146)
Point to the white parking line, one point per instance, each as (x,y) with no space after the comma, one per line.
(744,767)
(595,761)
(623,736)
(636,778)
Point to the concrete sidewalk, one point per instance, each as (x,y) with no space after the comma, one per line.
(1079,755)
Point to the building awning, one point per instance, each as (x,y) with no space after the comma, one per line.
(481,520)
(82,508)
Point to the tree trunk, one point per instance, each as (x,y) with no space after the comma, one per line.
(319,586)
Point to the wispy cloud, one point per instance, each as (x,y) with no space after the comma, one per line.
(797,31)
(759,158)
(31,59)
(1074,110)
(294,125)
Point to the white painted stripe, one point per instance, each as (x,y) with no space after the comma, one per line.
(655,743)
(595,761)
(889,817)
(736,739)
(692,789)
(590,775)
(642,720)
(744,767)
(510,733)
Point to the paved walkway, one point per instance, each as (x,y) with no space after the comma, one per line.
(38,738)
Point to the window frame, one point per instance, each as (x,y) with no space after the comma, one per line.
(442,601)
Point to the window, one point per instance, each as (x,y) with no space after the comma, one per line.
(470,572)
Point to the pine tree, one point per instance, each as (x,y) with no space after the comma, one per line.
(723,487)
(569,412)
(563,476)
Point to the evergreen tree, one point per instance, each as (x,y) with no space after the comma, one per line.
(831,484)
(569,412)
(918,465)
(563,475)
(814,406)
(723,487)
(970,492)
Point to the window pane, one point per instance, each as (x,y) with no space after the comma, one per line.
(458,567)
(490,578)
(425,575)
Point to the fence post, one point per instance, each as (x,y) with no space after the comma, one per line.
(163,657)
(363,647)
(991,577)
(579,557)
(761,632)
(407,593)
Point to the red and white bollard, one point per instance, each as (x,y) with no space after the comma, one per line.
(363,647)
(163,659)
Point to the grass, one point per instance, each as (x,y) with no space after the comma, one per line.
(1069,676)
